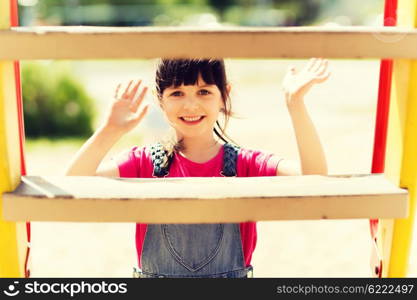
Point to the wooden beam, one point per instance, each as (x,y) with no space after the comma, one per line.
(231,42)
(204,200)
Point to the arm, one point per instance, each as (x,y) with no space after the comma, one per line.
(123,116)
(310,150)
(296,85)
(87,160)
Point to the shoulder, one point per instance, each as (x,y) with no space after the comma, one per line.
(134,162)
(264,163)
(247,155)
(252,162)
(134,153)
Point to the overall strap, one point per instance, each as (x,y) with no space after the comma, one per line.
(159,158)
(230,160)
(161,168)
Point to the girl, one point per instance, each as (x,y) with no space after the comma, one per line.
(193,93)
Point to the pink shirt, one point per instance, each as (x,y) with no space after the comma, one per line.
(138,163)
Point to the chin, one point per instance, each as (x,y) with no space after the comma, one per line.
(188,135)
(194,133)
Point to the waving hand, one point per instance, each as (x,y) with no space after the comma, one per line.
(124,112)
(297,83)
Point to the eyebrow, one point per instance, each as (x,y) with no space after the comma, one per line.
(200,86)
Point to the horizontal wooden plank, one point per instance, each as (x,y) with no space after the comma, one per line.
(204,200)
(229,42)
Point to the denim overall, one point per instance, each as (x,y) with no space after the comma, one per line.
(193,250)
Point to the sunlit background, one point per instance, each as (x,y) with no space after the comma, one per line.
(65,101)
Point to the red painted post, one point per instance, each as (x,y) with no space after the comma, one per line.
(14,21)
(381,125)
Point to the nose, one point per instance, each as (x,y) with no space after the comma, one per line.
(190,103)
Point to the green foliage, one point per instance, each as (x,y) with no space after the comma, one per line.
(55,103)
(173,12)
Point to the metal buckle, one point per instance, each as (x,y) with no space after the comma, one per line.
(250,274)
(136,273)
(221,173)
(153,175)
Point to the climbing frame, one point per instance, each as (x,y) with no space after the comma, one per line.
(372,199)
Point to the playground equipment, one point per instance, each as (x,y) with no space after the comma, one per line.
(389,196)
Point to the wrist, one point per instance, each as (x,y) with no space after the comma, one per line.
(294,103)
(110,132)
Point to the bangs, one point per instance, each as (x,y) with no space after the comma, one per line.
(176,72)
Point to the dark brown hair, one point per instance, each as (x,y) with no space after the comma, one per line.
(175,72)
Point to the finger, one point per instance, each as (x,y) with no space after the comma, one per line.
(317,65)
(116,92)
(140,114)
(134,90)
(136,102)
(124,95)
(132,93)
(323,68)
(323,77)
(291,70)
(311,63)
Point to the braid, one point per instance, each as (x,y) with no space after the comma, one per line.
(161,160)
(230,160)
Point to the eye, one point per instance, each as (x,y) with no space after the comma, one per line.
(204,92)
(176,94)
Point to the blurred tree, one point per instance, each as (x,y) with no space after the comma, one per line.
(54,103)
(302,12)
(124,12)
(222,5)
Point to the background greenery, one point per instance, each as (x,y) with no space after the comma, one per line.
(196,12)
(55,104)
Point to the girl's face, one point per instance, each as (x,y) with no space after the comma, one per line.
(192,109)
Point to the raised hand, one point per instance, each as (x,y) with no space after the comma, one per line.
(297,83)
(124,113)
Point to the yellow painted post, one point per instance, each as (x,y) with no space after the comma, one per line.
(401,160)
(12,235)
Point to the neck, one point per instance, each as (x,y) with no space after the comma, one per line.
(199,145)
(200,149)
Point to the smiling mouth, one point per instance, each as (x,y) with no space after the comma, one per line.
(192,121)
